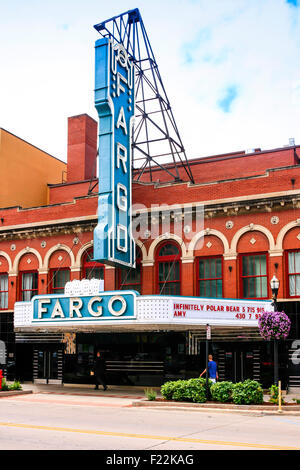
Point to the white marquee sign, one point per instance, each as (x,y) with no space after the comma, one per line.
(112,308)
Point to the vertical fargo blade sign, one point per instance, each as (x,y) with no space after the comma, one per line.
(114,101)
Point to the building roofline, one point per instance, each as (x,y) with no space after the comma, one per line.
(240,154)
(70,183)
(28,143)
(224,156)
(83,114)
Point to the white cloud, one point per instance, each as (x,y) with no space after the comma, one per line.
(47,57)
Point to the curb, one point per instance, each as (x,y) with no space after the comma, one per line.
(244,409)
(9,393)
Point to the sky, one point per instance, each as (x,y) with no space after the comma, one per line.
(231,69)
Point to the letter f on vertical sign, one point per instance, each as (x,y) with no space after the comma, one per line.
(114,101)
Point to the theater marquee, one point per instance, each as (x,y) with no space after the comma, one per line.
(137,312)
(219,309)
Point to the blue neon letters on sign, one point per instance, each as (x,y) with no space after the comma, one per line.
(104,306)
(114,101)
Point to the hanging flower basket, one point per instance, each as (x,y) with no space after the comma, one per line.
(274,325)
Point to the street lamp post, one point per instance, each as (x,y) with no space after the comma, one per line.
(208,337)
(275,286)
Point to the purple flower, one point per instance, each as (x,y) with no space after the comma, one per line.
(274,325)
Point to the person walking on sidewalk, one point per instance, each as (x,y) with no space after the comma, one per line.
(99,372)
(212,369)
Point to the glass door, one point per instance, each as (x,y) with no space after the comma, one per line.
(48,366)
(238,365)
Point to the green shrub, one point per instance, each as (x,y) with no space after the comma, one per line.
(274,395)
(4,385)
(221,391)
(192,390)
(167,389)
(247,393)
(150,394)
(180,392)
(15,386)
(197,390)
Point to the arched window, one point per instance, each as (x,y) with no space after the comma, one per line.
(28,277)
(131,278)
(91,269)
(59,271)
(168,269)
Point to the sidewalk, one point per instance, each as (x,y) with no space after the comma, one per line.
(135,396)
(118,391)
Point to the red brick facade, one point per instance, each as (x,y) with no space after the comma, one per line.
(251,206)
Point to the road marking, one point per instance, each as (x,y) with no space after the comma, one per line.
(73,402)
(149,436)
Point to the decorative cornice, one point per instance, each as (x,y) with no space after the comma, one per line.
(48,229)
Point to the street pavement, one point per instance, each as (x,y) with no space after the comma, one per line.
(113,391)
(80,418)
(121,394)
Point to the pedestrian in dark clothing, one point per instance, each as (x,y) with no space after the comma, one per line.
(99,371)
